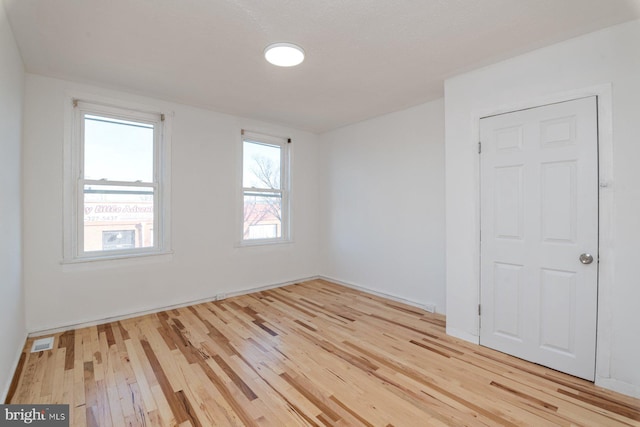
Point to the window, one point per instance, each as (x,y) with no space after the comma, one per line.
(118,239)
(118,183)
(265,189)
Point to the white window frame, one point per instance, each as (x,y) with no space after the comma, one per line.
(285,187)
(75,181)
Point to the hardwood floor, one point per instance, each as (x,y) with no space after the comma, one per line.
(315,354)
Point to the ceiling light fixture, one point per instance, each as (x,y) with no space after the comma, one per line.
(284,54)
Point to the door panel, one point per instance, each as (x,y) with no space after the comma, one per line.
(507,301)
(508,202)
(539,212)
(557,311)
(558,201)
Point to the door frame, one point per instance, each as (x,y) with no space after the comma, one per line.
(604,326)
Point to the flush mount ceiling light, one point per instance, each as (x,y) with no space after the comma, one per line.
(284,54)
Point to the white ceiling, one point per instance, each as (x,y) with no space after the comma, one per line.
(364,57)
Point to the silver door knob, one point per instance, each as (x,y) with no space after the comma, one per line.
(586,258)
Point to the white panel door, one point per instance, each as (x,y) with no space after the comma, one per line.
(539,214)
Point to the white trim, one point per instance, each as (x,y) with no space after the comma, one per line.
(266,138)
(116,261)
(605,215)
(164,176)
(286,161)
(263,242)
(246,291)
(632,390)
(72,230)
(16,361)
(428,307)
(87,323)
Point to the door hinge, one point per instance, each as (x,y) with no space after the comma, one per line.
(479,311)
(479,147)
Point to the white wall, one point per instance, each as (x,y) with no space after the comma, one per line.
(383,204)
(205,261)
(608,57)
(12,309)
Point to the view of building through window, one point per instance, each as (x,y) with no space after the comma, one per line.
(124,210)
(118,195)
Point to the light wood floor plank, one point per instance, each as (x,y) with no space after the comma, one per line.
(314,354)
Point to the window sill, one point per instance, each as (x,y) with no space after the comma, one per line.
(113,261)
(263,242)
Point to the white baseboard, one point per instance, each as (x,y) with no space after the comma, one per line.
(608,383)
(5,391)
(88,323)
(632,390)
(427,307)
(267,287)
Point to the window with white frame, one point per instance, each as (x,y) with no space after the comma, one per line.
(265,189)
(119,190)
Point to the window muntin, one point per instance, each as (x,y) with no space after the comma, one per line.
(265,194)
(118,182)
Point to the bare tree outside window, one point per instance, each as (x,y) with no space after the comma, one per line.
(263,192)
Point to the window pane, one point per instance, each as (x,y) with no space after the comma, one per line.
(117,218)
(262,216)
(117,150)
(261,165)
(118,239)
(263,231)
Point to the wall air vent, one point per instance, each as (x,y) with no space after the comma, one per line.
(42,345)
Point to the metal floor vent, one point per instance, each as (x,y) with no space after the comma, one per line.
(42,345)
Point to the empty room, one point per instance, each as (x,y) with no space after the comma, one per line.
(330,213)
